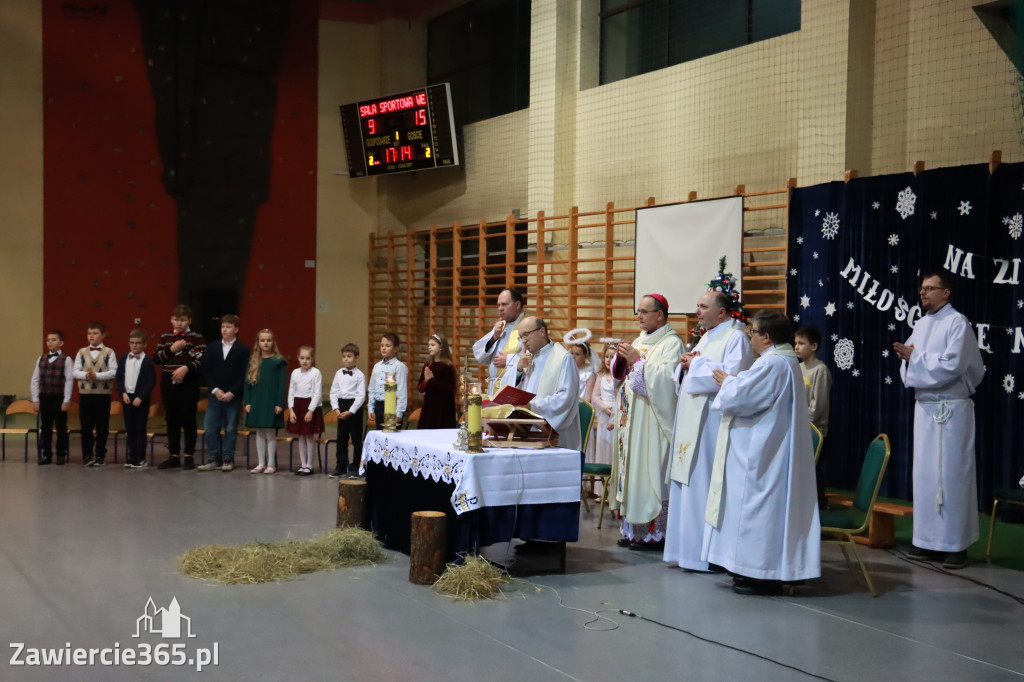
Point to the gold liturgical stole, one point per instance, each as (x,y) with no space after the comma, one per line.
(510,347)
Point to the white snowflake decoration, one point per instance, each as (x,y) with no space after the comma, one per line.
(905,202)
(888,380)
(1015,224)
(1009,331)
(885,353)
(799,240)
(1021,395)
(935,215)
(965,208)
(830,309)
(835,337)
(817,213)
(843,354)
(849,305)
(805,301)
(894,239)
(792,271)
(875,205)
(855,372)
(830,226)
(821,284)
(1009,383)
(1020,303)
(796,318)
(815,255)
(894,269)
(892,327)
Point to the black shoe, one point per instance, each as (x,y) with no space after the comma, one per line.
(750,586)
(623,542)
(62,459)
(45,460)
(88,461)
(353,470)
(172,462)
(189,463)
(98,462)
(715,568)
(919,554)
(658,546)
(955,560)
(335,474)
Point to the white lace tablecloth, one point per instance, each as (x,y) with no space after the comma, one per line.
(491,479)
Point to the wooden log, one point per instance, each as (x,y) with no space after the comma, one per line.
(428,544)
(351,504)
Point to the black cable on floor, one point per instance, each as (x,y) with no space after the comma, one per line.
(937,569)
(723,644)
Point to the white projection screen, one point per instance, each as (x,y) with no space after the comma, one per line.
(678,247)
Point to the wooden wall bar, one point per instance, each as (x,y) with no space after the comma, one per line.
(576,270)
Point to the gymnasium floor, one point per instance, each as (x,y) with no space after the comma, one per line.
(82,550)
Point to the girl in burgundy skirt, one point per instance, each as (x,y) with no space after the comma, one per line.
(306,418)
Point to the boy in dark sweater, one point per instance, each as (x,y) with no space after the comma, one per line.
(180,353)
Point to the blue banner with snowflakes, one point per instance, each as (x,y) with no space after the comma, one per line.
(857,251)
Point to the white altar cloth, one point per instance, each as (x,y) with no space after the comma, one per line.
(494,478)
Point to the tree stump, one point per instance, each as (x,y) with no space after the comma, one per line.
(351,504)
(428,547)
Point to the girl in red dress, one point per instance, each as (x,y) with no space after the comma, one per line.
(437,383)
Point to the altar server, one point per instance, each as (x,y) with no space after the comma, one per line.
(943,365)
(723,346)
(494,347)
(547,370)
(762,504)
(646,408)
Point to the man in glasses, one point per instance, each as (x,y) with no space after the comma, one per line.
(494,347)
(548,371)
(762,503)
(646,407)
(943,365)
(723,346)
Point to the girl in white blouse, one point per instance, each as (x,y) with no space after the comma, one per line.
(306,418)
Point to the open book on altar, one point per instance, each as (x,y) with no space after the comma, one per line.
(510,395)
(512,426)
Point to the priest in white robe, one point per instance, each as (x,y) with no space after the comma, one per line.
(723,346)
(548,370)
(762,502)
(493,348)
(643,435)
(942,363)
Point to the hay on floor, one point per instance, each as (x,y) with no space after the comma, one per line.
(475,579)
(266,562)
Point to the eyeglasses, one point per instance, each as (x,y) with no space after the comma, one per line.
(644,312)
(928,290)
(755,331)
(523,335)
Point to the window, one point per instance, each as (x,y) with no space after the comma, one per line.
(482,49)
(639,36)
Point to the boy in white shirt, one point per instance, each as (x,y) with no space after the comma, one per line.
(348,393)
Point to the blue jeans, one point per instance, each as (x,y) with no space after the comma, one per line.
(221,416)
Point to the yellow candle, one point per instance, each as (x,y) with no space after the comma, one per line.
(390,395)
(473,410)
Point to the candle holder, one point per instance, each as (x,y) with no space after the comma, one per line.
(390,403)
(474,424)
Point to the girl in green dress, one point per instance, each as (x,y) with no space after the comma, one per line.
(264,398)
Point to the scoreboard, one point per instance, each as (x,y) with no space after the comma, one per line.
(399,133)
